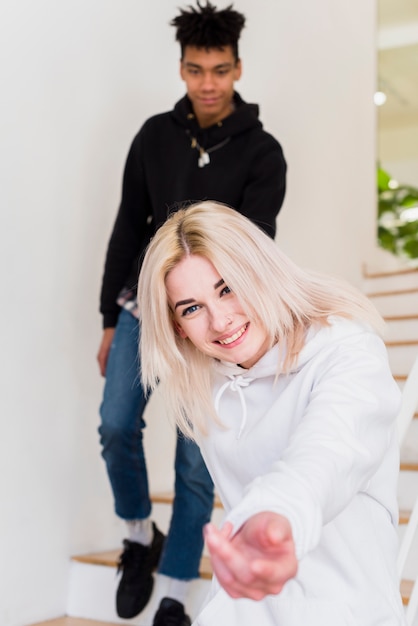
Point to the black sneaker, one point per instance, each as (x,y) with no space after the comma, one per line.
(137,563)
(171,613)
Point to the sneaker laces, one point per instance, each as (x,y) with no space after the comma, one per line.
(132,556)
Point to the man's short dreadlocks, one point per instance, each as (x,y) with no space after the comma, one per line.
(206,27)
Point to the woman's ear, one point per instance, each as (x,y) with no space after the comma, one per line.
(178,329)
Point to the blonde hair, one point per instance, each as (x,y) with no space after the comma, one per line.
(284,298)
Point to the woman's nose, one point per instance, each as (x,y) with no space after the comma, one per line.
(220,320)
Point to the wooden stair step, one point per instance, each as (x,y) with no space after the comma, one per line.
(389,273)
(73,621)
(401,317)
(167,497)
(110,558)
(404,516)
(401,343)
(392,292)
(406,590)
(409,466)
(205,569)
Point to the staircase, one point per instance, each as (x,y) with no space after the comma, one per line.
(395,295)
(93,580)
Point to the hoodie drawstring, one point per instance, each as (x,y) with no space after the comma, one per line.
(235,383)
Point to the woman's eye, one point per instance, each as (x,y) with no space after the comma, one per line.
(225,290)
(189,310)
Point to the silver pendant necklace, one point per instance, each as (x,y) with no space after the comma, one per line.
(204,158)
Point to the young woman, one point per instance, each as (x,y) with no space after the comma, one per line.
(281,377)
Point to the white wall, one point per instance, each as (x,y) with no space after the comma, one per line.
(78,79)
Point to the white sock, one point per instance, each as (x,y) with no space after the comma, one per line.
(140,531)
(175,588)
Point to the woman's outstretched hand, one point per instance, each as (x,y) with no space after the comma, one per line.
(255,562)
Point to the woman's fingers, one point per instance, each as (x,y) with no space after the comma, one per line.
(256,561)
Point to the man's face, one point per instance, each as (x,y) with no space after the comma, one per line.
(210,76)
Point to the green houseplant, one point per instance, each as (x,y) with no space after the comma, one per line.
(397,217)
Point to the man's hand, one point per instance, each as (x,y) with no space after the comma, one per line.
(104,349)
(258,560)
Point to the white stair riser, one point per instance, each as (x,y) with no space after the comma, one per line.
(410,571)
(92,592)
(407,489)
(390,283)
(409,449)
(401,304)
(401,358)
(402,330)
(401,384)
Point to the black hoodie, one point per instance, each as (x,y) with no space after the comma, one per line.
(241,165)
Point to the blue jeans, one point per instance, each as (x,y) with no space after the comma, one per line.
(121,437)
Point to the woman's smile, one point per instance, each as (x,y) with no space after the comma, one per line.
(227,341)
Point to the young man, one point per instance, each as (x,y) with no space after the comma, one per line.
(210,146)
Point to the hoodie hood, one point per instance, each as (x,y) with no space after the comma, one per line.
(243,118)
(232,377)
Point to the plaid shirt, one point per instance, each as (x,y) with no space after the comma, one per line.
(127,300)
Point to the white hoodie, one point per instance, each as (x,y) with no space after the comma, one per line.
(319,446)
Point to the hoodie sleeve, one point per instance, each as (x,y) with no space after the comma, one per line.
(340,443)
(264,192)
